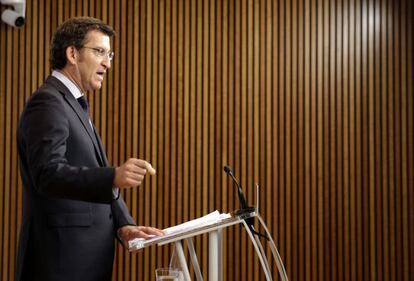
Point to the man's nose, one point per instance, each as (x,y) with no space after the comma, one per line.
(106,62)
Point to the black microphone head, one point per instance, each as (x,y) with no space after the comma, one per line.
(242,199)
(227,169)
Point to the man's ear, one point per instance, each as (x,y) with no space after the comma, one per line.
(71,54)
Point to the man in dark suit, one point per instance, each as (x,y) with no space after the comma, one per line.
(72,209)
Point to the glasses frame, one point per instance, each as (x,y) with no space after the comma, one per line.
(101,52)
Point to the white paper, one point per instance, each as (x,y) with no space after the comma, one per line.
(212,218)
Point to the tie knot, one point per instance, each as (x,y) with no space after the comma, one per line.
(84,103)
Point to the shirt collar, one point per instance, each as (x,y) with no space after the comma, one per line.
(73,88)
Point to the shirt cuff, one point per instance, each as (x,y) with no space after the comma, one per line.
(115,193)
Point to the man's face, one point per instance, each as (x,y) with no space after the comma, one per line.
(92,63)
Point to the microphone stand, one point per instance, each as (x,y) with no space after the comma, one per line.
(244,208)
(243,213)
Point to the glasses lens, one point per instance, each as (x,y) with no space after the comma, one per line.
(100,52)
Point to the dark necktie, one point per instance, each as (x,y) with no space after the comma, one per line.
(84,103)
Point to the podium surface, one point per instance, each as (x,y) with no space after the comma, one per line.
(214,231)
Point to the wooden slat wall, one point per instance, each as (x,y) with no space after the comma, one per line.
(312,99)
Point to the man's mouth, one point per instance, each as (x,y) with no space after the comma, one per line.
(101,74)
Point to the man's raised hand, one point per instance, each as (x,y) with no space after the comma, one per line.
(132,173)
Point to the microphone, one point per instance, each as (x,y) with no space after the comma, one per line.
(243,204)
(242,199)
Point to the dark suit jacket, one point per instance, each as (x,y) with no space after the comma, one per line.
(69,215)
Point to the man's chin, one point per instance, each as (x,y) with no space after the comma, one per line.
(97,86)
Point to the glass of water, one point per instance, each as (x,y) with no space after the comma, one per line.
(169,274)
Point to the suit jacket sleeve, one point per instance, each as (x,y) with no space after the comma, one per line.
(121,213)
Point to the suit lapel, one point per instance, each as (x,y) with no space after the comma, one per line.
(105,160)
(81,115)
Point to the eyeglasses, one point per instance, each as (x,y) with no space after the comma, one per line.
(101,52)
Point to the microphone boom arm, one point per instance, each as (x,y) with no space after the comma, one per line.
(244,208)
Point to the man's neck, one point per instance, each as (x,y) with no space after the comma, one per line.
(71,77)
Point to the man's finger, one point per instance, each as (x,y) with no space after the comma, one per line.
(149,168)
(153,231)
(143,164)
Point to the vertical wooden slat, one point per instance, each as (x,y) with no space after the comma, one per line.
(13,150)
(170,23)
(133,16)
(183,121)
(147,121)
(339,116)
(392,132)
(333,159)
(203,114)
(183,141)
(142,120)
(224,88)
(300,137)
(279,130)
(216,89)
(22,96)
(130,95)
(292,139)
(229,126)
(213,107)
(153,97)
(263,35)
(286,91)
(241,96)
(327,212)
(268,191)
(235,120)
(404,160)
(378,141)
(167,106)
(2,139)
(352,140)
(155,121)
(396,140)
(380,125)
(135,135)
(194,79)
(303,119)
(358,139)
(371,138)
(249,97)
(384,136)
(308,142)
(390,150)
(7,157)
(320,145)
(345,193)
(410,122)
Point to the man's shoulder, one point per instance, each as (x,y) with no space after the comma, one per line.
(45,104)
(48,94)
(51,85)
(51,88)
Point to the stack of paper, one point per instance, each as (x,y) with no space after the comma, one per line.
(212,218)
